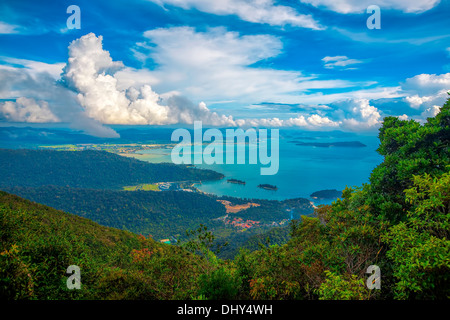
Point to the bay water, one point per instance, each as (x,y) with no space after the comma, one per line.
(303,169)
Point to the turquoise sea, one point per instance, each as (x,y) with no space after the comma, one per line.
(302,169)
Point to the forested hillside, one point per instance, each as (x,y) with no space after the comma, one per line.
(252,241)
(39,243)
(159,214)
(88,169)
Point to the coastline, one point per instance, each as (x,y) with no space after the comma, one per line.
(197,186)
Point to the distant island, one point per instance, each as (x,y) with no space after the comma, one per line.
(267,187)
(326,194)
(235,181)
(348,144)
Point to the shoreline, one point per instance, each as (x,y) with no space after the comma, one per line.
(195,188)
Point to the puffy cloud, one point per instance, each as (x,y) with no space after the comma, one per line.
(131,77)
(347,114)
(317,120)
(357,6)
(415,101)
(23,81)
(426,90)
(257,11)
(36,95)
(357,114)
(426,93)
(430,112)
(87,60)
(299,121)
(184,111)
(339,62)
(314,121)
(107,101)
(91,72)
(27,110)
(428,83)
(423,102)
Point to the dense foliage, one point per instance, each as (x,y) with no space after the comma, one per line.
(39,243)
(251,240)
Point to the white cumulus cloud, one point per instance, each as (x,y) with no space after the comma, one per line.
(91,72)
(35,95)
(430,112)
(357,114)
(426,90)
(27,110)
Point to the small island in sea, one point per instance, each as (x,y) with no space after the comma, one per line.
(267,187)
(326,194)
(348,144)
(236,181)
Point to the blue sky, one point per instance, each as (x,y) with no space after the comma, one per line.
(308,64)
